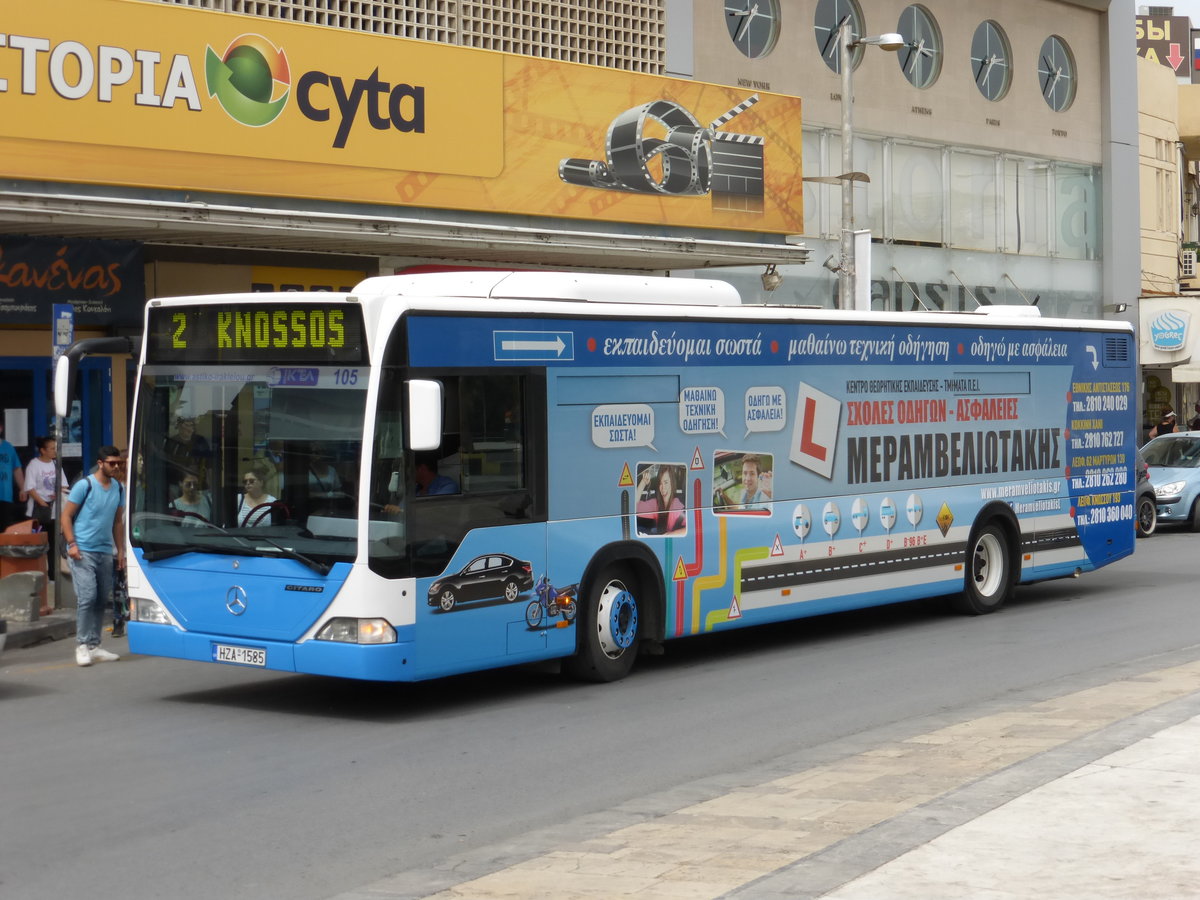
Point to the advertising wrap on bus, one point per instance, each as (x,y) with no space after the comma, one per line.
(609,475)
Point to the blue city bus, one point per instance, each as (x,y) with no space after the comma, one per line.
(440,473)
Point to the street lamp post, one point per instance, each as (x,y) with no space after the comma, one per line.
(847,273)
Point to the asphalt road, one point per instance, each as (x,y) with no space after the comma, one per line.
(157,778)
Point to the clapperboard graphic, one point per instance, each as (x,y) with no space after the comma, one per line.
(693,159)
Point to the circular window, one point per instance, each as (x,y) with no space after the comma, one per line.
(753,25)
(1056,73)
(921,57)
(991,60)
(829,18)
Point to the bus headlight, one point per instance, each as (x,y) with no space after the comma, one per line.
(142,609)
(357,631)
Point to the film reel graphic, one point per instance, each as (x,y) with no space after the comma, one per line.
(693,159)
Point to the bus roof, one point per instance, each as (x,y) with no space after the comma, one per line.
(495,285)
(517,288)
(561,293)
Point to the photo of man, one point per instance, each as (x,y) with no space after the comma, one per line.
(742,482)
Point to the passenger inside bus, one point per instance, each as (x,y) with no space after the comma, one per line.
(255,505)
(186,451)
(192,505)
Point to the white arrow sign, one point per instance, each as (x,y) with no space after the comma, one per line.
(556,345)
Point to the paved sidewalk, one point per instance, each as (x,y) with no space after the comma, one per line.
(1092,794)
(1125,826)
(58,625)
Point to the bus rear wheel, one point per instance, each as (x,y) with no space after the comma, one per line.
(989,572)
(609,628)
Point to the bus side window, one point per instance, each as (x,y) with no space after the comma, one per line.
(491,433)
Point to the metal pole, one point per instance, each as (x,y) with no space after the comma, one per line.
(53,568)
(846,271)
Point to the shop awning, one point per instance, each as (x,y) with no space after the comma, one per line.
(377,233)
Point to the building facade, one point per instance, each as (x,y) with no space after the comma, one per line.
(220,145)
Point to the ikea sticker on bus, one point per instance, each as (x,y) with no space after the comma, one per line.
(814,436)
(623,425)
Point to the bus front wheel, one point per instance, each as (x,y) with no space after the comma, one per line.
(989,572)
(609,628)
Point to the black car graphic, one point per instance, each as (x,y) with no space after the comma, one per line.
(483,578)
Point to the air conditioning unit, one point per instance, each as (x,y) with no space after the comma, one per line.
(1187,264)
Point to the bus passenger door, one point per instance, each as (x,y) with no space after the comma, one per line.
(476,523)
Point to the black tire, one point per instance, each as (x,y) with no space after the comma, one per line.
(533,614)
(609,628)
(1147,516)
(1194,520)
(989,575)
(446,599)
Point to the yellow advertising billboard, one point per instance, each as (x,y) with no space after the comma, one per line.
(128,93)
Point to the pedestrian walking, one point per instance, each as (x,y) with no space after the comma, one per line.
(93,521)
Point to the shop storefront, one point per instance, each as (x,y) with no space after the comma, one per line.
(1169,353)
(53,291)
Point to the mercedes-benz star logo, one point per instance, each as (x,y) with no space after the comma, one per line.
(235,600)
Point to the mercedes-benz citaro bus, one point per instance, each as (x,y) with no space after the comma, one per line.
(448,472)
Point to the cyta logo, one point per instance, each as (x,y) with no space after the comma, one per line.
(243,79)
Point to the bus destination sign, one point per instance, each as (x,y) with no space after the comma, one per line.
(256,333)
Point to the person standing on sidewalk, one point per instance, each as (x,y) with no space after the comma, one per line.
(120,591)
(11,476)
(93,521)
(39,485)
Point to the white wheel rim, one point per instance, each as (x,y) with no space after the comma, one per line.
(986,569)
(616,619)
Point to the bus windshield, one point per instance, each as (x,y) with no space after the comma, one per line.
(248,460)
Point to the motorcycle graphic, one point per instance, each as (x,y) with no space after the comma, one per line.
(550,602)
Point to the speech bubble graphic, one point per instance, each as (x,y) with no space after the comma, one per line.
(702,410)
(766,409)
(623,425)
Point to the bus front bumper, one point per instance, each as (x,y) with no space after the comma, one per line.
(370,662)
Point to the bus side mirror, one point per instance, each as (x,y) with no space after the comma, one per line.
(63,372)
(64,368)
(424,415)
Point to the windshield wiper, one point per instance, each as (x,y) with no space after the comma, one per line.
(319,567)
(167,552)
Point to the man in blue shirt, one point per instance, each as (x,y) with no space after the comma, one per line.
(429,482)
(11,474)
(93,522)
